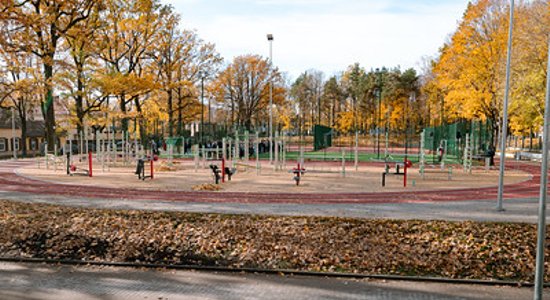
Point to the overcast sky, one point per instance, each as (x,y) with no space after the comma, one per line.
(327,35)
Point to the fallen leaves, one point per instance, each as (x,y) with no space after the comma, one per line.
(422,248)
(207,187)
(167,167)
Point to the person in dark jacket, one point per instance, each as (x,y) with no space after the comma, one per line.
(491,154)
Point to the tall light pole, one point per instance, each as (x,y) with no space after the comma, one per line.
(541,227)
(13,132)
(209,114)
(504,124)
(201,74)
(379,94)
(270,40)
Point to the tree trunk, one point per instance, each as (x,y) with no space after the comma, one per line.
(79,105)
(23,142)
(170,114)
(124,121)
(180,113)
(48,106)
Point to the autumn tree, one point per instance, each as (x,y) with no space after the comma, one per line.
(307,93)
(470,69)
(80,70)
(125,40)
(38,27)
(354,82)
(20,88)
(430,94)
(333,100)
(243,89)
(529,66)
(179,57)
(402,89)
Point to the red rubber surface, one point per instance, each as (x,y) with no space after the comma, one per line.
(10,181)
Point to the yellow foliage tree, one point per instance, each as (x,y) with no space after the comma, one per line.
(243,88)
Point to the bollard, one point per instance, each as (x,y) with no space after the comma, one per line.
(90,163)
(152,168)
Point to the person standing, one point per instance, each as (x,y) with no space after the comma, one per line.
(491,154)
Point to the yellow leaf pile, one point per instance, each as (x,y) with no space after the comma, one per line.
(207,187)
(167,167)
(423,248)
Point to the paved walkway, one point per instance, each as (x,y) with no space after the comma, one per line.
(20,281)
(516,210)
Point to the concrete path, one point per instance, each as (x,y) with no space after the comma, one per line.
(516,210)
(20,281)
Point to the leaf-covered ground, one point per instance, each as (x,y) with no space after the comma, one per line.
(425,248)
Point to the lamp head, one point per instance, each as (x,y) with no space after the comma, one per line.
(270,37)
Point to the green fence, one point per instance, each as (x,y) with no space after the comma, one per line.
(455,136)
(322,137)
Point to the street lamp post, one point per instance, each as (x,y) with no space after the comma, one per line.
(201,74)
(541,227)
(270,39)
(379,94)
(209,114)
(503,129)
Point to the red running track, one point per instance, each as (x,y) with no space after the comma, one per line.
(10,181)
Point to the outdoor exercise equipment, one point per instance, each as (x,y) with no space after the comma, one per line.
(220,173)
(342,171)
(398,165)
(229,172)
(73,169)
(236,150)
(298,173)
(50,158)
(140,169)
(448,172)
(216,173)
(442,150)
(467,159)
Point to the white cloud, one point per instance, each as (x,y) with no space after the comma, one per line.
(382,36)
